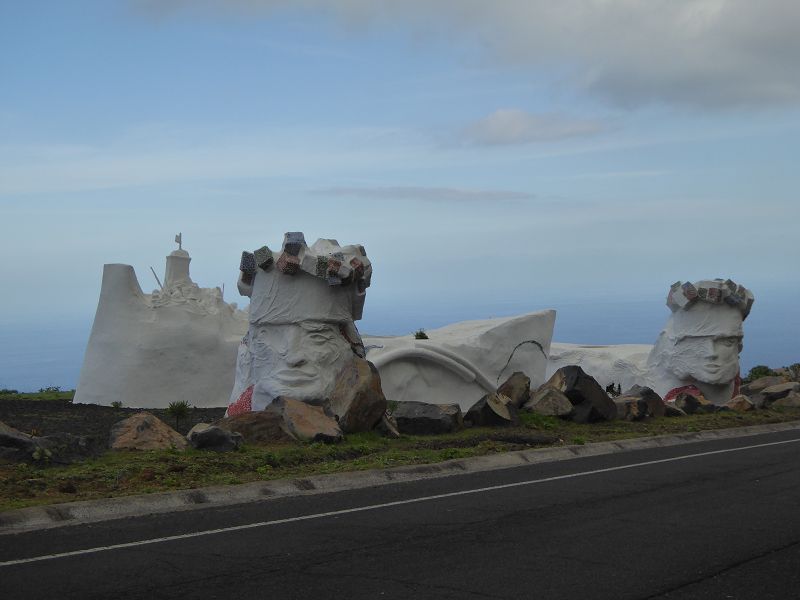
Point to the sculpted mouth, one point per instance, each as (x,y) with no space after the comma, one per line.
(294,376)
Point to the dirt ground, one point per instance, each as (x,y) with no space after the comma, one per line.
(46,417)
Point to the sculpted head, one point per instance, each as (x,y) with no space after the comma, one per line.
(303,308)
(701,341)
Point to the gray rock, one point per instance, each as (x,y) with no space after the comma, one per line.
(144,431)
(59,448)
(693,403)
(761,383)
(517,388)
(549,401)
(261,427)
(589,400)
(388,426)
(306,422)
(491,410)
(670,410)
(740,404)
(357,400)
(15,445)
(769,395)
(639,403)
(211,437)
(790,400)
(421,418)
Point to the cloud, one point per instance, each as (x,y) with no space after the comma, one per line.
(698,53)
(425,194)
(513,126)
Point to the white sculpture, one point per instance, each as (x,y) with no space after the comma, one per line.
(301,330)
(700,344)
(698,348)
(147,350)
(624,365)
(460,363)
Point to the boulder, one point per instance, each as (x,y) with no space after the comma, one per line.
(670,410)
(66,448)
(631,408)
(693,403)
(421,418)
(59,448)
(260,427)
(740,403)
(791,400)
(638,403)
(15,445)
(517,388)
(211,437)
(357,399)
(144,431)
(388,426)
(492,409)
(769,395)
(589,400)
(549,401)
(752,388)
(306,422)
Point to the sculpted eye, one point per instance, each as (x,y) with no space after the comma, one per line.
(729,342)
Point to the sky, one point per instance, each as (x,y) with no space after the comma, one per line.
(494,158)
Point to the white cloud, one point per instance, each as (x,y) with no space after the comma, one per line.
(697,53)
(514,126)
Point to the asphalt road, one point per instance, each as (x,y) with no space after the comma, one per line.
(708,520)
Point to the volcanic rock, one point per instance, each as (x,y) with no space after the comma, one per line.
(589,400)
(211,437)
(421,418)
(143,431)
(517,388)
(549,401)
(492,409)
(357,400)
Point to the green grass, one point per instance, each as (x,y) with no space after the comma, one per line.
(48,395)
(121,473)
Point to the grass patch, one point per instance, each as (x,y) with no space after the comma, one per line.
(122,473)
(48,394)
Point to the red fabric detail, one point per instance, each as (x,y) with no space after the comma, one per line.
(244,404)
(737,384)
(689,389)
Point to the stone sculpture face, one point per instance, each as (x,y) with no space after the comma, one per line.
(300,360)
(707,341)
(303,306)
(701,341)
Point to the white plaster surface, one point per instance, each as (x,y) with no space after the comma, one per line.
(147,350)
(623,364)
(301,331)
(459,363)
(699,346)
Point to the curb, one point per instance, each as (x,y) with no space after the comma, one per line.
(94,511)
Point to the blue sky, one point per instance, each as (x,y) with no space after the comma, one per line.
(492,157)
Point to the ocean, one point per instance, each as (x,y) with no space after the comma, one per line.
(34,355)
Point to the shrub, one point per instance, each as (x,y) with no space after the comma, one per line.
(8,392)
(116,404)
(757,372)
(178,410)
(420,334)
(50,389)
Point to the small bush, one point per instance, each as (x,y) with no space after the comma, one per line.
(50,389)
(757,372)
(116,404)
(420,334)
(8,392)
(178,410)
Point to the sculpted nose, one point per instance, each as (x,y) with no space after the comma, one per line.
(295,357)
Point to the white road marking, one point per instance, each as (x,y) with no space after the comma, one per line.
(186,536)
